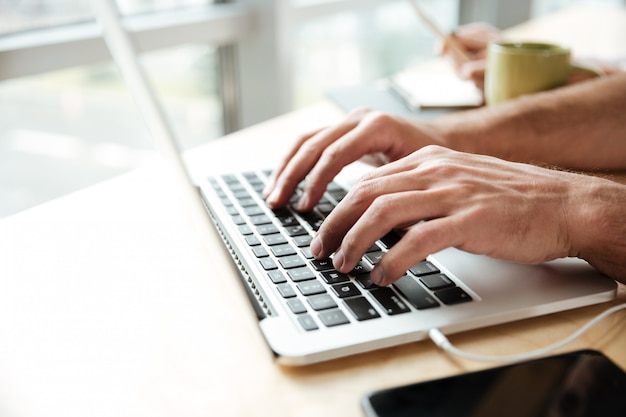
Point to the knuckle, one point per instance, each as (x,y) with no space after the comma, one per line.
(359,111)
(378,120)
(332,153)
(433,150)
(363,192)
(383,209)
(441,167)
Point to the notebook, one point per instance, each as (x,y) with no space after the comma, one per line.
(307,311)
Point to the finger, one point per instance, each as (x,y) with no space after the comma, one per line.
(417,243)
(473,70)
(387,212)
(298,163)
(361,141)
(376,133)
(353,206)
(271,182)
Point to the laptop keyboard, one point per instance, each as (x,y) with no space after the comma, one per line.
(313,291)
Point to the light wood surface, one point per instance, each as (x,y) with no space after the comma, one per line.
(118,301)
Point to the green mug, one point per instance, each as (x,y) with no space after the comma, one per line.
(518,68)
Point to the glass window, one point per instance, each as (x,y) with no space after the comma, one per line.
(21,15)
(66,130)
(352,48)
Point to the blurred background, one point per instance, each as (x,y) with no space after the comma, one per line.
(67,120)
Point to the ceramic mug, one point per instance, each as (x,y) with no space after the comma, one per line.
(518,68)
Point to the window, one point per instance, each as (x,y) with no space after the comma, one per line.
(76,125)
(67,120)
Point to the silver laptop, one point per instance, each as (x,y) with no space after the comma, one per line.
(308,312)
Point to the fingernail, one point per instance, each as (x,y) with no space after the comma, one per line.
(272,199)
(316,246)
(267,189)
(303,202)
(338,260)
(378,275)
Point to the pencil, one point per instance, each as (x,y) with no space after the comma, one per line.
(449,40)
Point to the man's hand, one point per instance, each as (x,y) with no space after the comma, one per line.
(474,38)
(444,198)
(320,155)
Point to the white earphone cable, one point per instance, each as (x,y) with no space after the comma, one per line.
(442,341)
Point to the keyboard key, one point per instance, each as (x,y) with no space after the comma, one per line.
(258,187)
(240,193)
(253,211)
(302,241)
(365,281)
(322,264)
(454,295)
(321,302)
(275,239)
(248,202)
(415,293)
(333,186)
(277,277)
(230,179)
(286,290)
(239,220)
(300,274)
(260,251)
(424,268)
(307,322)
(361,309)
(334,277)
(361,268)
(306,252)
(333,318)
(283,250)
(374,257)
(252,240)
(437,282)
(296,306)
(297,230)
(338,195)
(373,248)
(311,287)
(325,208)
(268,263)
(291,261)
(345,290)
(285,217)
(245,230)
(390,239)
(313,219)
(389,301)
(260,219)
(267,229)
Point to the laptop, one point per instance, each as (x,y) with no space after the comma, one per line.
(307,311)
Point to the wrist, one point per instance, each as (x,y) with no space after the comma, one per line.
(597,227)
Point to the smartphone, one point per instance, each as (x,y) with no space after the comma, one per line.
(577,384)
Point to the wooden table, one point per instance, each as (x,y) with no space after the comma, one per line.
(118,301)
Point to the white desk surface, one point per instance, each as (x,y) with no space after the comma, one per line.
(115,302)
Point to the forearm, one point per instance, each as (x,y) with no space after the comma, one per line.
(597,225)
(582,126)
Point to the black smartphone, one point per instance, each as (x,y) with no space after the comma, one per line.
(577,384)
